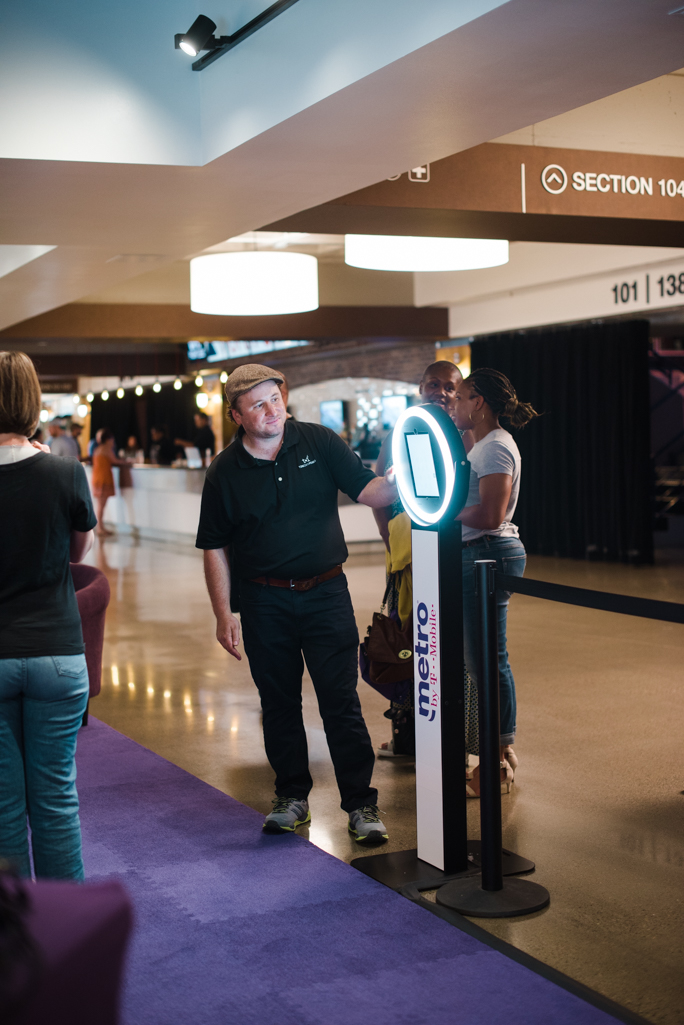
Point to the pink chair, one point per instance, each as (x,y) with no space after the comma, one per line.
(92,595)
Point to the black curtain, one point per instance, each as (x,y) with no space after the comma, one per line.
(135,414)
(586,471)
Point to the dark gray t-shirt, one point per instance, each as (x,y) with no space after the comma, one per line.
(42,499)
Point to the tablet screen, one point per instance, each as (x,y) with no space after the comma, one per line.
(422,465)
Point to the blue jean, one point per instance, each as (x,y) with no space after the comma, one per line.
(42,702)
(510,557)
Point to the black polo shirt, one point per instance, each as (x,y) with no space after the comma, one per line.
(280,517)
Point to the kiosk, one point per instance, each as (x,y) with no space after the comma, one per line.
(432,479)
(433,476)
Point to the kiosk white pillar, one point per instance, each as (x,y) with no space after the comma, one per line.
(432,477)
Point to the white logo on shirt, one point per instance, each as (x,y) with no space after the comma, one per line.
(306,462)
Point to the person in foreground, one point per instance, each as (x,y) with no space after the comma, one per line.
(46,521)
(271,499)
(488,530)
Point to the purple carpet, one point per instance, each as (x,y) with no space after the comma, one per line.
(234,927)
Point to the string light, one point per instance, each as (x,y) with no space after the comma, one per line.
(89,397)
(104,396)
(156,387)
(120,393)
(224,377)
(76,399)
(198,381)
(138,389)
(178,384)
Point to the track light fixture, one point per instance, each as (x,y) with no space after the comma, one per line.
(200,35)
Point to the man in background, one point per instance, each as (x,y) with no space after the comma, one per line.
(203,439)
(61,443)
(76,431)
(162,449)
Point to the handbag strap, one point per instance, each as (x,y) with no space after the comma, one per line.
(390,582)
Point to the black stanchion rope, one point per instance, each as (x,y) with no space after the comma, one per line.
(625,604)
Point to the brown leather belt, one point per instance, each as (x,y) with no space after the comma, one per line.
(299,585)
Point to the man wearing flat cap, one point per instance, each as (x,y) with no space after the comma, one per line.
(271,499)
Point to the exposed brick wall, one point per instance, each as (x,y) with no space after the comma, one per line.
(398,361)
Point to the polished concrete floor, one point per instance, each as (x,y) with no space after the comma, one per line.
(597,802)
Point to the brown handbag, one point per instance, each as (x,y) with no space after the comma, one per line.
(389,648)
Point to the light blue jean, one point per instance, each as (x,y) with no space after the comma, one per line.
(510,557)
(42,702)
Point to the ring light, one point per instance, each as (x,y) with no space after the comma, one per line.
(425,471)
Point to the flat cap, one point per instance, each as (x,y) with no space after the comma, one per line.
(244,378)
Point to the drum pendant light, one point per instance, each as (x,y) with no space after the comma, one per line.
(423,253)
(252,284)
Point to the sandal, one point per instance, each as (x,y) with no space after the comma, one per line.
(507,777)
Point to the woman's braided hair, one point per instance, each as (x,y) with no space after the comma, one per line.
(499,394)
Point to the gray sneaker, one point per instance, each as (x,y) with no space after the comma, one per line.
(287,814)
(366,826)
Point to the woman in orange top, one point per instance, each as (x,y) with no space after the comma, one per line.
(103,478)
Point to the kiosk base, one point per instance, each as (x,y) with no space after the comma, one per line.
(518,897)
(402,868)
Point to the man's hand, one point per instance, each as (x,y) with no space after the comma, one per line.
(380,492)
(228,635)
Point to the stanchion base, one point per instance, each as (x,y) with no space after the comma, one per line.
(401,868)
(512,864)
(404,868)
(518,897)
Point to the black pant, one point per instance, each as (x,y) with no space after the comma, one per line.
(279,627)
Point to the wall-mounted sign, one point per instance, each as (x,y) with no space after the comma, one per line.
(541,180)
(634,290)
(523,193)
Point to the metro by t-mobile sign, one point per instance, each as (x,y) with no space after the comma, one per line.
(432,477)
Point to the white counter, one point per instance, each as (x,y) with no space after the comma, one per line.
(164,503)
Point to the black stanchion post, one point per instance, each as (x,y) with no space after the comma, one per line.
(489,895)
(488,671)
